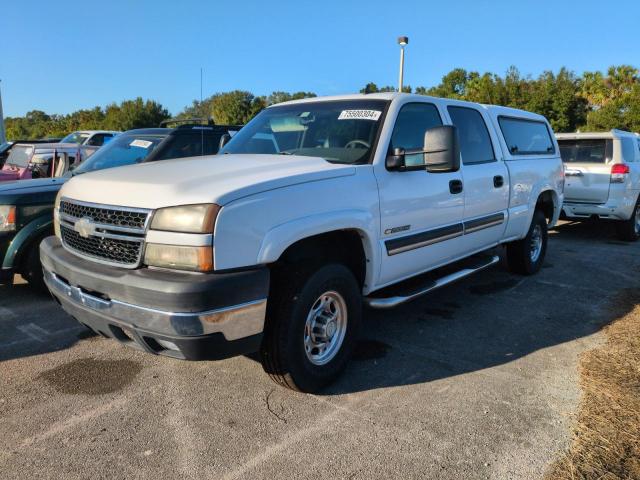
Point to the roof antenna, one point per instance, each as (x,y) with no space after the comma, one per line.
(3,137)
(201,130)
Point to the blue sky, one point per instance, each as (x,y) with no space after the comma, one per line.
(59,56)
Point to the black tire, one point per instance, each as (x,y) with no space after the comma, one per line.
(519,257)
(294,293)
(629,230)
(32,268)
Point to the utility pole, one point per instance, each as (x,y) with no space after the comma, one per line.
(402,41)
(3,136)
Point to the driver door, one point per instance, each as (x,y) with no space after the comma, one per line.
(421,212)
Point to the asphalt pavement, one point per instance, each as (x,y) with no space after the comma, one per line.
(477,380)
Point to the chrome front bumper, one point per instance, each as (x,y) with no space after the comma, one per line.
(234,322)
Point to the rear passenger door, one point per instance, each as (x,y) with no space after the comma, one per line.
(485,177)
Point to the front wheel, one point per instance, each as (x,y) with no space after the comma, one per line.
(312,324)
(629,230)
(527,255)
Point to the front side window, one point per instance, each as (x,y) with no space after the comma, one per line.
(526,137)
(125,149)
(97,140)
(192,144)
(343,131)
(475,142)
(75,137)
(414,119)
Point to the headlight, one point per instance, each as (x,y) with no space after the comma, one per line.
(195,259)
(7,218)
(56,215)
(186,218)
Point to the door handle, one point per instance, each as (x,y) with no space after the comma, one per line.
(573,173)
(455,186)
(498,181)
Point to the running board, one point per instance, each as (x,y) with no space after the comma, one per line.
(398,296)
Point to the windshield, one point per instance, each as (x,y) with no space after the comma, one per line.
(125,149)
(75,137)
(586,151)
(338,131)
(20,156)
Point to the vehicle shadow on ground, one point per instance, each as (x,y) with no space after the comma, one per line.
(469,327)
(31,323)
(495,318)
(589,230)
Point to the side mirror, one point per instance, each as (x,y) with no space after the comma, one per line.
(395,160)
(442,149)
(224,139)
(440,153)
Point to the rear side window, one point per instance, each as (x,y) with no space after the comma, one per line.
(628,149)
(586,151)
(526,137)
(475,142)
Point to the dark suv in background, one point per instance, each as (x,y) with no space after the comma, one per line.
(26,207)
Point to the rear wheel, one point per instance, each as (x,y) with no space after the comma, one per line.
(629,230)
(312,324)
(527,255)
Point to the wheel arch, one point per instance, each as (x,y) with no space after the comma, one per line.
(340,236)
(21,244)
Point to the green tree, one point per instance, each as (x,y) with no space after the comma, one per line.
(613,99)
(279,97)
(373,88)
(136,113)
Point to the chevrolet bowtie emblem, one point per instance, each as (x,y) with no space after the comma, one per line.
(85,227)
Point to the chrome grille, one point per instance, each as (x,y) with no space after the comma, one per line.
(104,233)
(105,215)
(123,252)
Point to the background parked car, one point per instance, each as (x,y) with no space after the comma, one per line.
(42,160)
(602,172)
(93,138)
(26,207)
(4,152)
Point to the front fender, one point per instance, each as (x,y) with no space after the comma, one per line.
(27,234)
(279,238)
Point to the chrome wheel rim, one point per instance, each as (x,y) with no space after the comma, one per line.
(325,328)
(536,243)
(637,223)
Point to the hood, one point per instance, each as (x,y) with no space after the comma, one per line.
(32,186)
(212,179)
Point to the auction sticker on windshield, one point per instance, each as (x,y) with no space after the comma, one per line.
(141,143)
(360,115)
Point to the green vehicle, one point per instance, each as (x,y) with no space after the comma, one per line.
(26,206)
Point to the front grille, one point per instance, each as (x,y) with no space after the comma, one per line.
(105,215)
(124,252)
(109,234)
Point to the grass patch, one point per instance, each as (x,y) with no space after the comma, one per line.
(606,438)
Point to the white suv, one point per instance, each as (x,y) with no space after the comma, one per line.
(602,173)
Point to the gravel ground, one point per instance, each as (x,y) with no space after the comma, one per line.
(477,380)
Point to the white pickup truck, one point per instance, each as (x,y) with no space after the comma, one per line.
(314,208)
